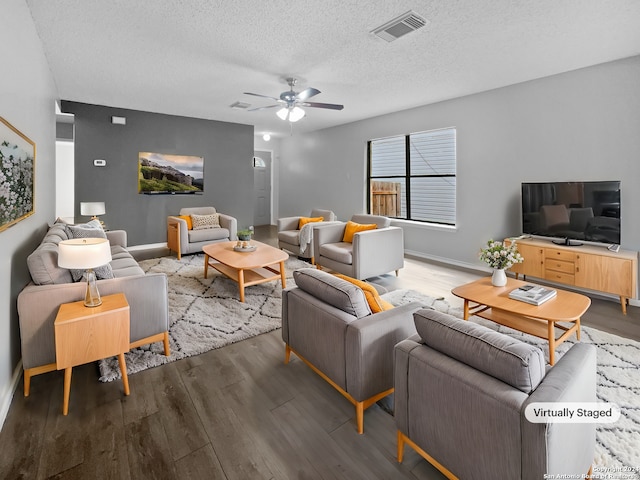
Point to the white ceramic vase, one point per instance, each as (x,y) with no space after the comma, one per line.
(499,277)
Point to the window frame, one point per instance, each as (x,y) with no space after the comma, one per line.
(407,177)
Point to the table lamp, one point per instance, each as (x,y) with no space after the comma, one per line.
(85,254)
(92,209)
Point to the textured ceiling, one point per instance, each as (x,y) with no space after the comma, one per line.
(197,57)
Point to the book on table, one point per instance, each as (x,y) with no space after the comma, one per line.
(533,294)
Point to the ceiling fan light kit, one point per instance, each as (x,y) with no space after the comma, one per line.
(291,102)
(294,114)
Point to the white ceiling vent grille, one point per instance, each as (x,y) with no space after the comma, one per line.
(240,105)
(400,26)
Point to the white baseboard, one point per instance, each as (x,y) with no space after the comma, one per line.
(7,395)
(448,261)
(149,246)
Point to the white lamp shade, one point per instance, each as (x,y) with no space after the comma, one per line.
(296,114)
(282,113)
(84,253)
(92,208)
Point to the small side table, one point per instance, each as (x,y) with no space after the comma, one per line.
(85,334)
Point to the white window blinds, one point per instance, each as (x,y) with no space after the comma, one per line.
(421,170)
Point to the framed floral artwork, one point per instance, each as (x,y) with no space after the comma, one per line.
(17,164)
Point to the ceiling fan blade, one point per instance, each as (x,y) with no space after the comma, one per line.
(308,93)
(263,96)
(332,106)
(263,108)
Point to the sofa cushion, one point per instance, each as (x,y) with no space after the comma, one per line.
(43,266)
(341,252)
(375,302)
(43,261)
(304,220)
(203,222)
(123,264)
(514,362)
(351,228)
(208,234)
(333,290)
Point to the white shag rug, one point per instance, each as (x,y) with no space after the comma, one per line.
(207,314)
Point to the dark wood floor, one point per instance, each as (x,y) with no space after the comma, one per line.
(233,413)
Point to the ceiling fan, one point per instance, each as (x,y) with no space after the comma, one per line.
(290,102)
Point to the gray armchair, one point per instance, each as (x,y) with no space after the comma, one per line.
(300,241)
(183,240)
(327,322)
(373,252)
(461,391)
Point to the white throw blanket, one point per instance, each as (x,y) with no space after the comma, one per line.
(306,234)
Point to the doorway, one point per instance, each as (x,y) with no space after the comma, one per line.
(262,187)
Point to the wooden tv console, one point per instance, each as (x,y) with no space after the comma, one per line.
(584,266)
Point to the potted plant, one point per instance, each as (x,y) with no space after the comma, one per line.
(244,235)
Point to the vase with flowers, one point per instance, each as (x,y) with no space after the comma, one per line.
(500,256)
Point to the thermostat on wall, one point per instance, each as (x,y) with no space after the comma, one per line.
(99,163)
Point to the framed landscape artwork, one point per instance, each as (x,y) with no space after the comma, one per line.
(162,173)
(17,163)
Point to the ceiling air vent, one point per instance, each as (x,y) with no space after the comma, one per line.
(240,105)
(400,26)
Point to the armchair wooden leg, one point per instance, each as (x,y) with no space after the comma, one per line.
(165,341)
(30,372)
(27,382)
(397,273)
(313,260)
(287,354)
(400,446)
(360,417)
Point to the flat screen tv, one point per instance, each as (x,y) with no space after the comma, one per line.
(163,173)
(572,212)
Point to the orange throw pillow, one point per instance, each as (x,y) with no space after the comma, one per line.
(187,218)
(376,303)
(353,227)
(304,220)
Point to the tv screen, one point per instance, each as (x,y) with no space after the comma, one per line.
(162,173)
(587,211)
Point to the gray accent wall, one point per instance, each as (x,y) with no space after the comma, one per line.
(27,101)
(227,149)
(580,125)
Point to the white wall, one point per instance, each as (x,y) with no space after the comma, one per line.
(64,179)
(27,95)
(581,125)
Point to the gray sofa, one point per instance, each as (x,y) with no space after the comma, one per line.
(461,391)
(51,286)
(184,241)
(327,322)
(372,253)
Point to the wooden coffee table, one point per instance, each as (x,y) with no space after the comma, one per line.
(493,303)
(246,268)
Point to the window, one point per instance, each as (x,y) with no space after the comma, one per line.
(414,176)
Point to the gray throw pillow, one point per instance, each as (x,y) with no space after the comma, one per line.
(91,229)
